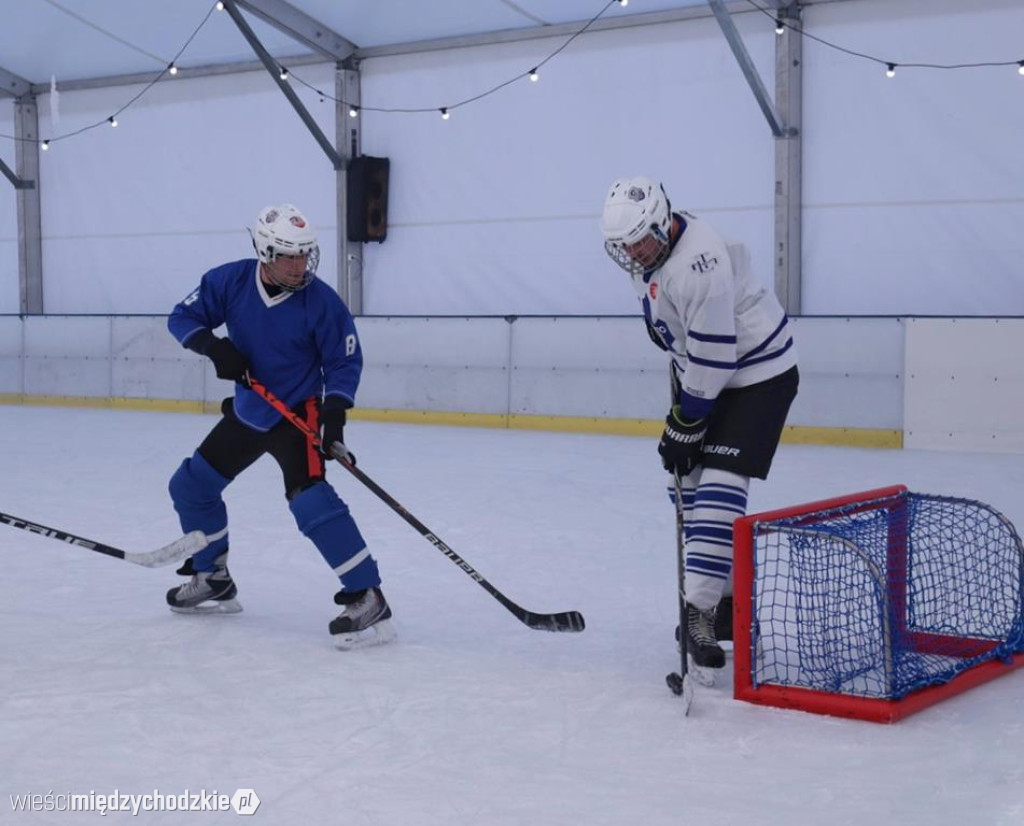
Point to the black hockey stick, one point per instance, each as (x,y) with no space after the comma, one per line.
(564,621)
(680,683)
(185,546)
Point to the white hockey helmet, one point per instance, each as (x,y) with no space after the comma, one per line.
(635,223)
(284,230)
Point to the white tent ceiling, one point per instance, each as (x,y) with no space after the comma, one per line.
(80,40)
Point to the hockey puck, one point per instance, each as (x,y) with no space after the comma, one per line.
(674,682)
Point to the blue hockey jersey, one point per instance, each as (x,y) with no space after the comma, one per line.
(299,344)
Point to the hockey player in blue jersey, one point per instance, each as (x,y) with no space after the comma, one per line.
(734,377)
(295,334)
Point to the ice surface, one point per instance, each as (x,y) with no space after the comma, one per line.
(470,717)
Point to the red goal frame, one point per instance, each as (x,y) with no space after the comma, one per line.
(879,710)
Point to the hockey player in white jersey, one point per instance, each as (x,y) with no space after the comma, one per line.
(734,377)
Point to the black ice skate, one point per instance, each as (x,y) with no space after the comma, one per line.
(365,621)
(702,644)
(723,622)
(208,592)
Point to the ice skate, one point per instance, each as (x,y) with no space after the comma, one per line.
(702,644)
(704,656)
(365,621)
(207,592)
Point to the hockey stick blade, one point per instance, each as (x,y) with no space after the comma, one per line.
(568,621)
(681,687)
(564,622)
(186,545)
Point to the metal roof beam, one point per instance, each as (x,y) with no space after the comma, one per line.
(10,175)
(739,50)
(567,29)
(13,85)
(301,27)
(273,67)
(504,36)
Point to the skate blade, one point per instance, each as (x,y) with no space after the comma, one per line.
(702,675)
(227,606)
(377,634)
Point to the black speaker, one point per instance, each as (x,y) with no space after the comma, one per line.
(367,194)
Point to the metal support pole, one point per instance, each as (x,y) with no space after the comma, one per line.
(273,68)
(350,253)
(30,236)
(788,162)
(742,56)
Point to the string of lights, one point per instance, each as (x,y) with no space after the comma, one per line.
(782,23)
(283,73)
(445,111)
(170,69)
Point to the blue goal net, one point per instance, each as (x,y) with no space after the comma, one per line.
(879,598)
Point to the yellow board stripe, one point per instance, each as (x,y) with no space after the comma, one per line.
(794,435)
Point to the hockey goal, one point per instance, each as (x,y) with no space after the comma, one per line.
(875,605)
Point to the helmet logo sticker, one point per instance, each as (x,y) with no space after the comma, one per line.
(635,193)
(297,221)
(271,216)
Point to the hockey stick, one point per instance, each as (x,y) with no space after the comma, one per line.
(680,683)
(185,546)
(570,621)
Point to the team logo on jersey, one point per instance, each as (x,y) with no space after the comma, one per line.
(297,221)
(704,263)
(654,291)
(636,193)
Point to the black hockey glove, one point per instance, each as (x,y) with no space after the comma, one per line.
(333,415)
(228,361)
(681,443)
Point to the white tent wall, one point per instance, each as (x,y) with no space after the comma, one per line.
(495,210)
(133,216)
(914,185)
(9,292)
(911,185)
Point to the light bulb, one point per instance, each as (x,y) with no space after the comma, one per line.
(172,69)
(890,70)
(779,28)
(534,76)
(623,2)
(45,145)
(444,113)
(1020,68)
(112,120)
(352,111)
(284,73)
(220,6)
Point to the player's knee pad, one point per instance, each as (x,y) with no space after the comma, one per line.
(326,521)
(195,490)
(291,494)
(196,483)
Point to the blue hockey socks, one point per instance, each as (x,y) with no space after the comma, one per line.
(195,489)
(325,519)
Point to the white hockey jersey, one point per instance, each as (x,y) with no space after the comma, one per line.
(722,328)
